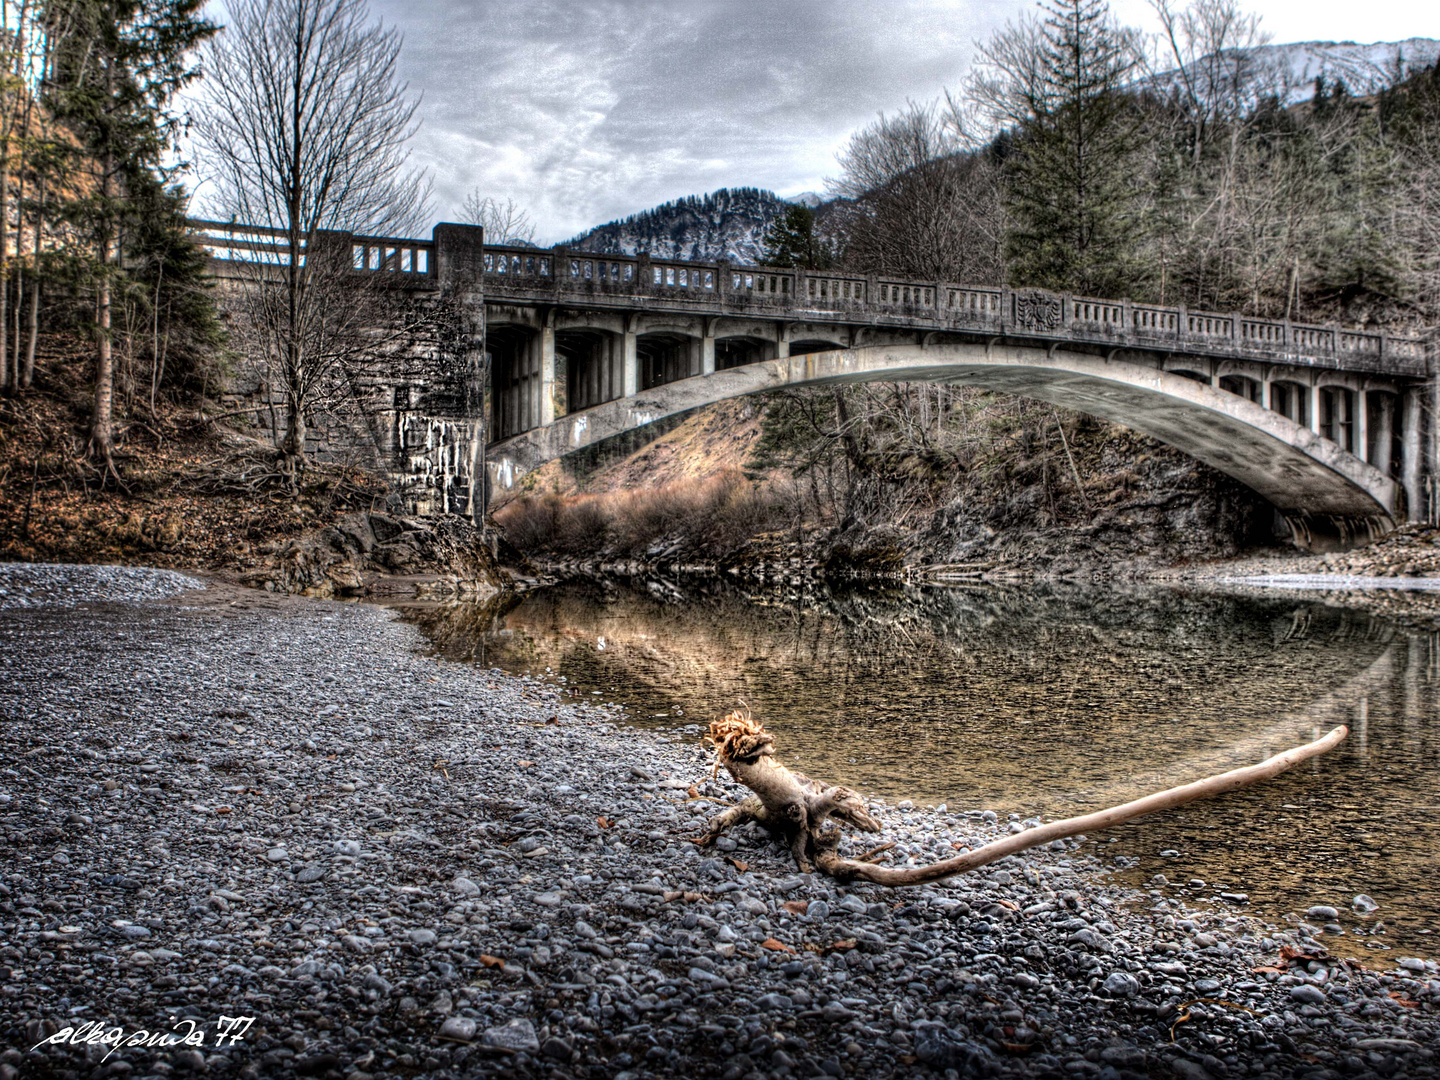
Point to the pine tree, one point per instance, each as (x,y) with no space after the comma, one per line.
(1071,193)
(791,241)
(115,73)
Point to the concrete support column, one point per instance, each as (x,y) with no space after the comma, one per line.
(707,355)
(1412,453)
(630,363)
(782,334)
(1312,395)
(545,353)
(1360,425)
(1384,434)
(1265,399)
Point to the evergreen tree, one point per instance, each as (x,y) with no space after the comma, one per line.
(791,241)
(115,73)
(1071,193)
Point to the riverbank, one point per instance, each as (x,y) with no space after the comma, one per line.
(232,803)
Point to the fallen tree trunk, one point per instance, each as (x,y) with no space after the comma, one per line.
(801,812)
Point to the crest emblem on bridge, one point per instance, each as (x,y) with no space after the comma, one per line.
(1038,311)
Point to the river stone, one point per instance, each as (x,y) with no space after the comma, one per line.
(940,1048)
(517,1035)
(463,886)
(1364,905)
(1307,994)
(1320,911)
(1122,984)
(311,872)
(458,1029)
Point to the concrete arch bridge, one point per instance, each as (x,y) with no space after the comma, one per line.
(1334,427)
(1325,423)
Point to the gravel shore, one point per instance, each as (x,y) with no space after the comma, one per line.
(227,804)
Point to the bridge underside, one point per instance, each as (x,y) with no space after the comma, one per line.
(1326,493)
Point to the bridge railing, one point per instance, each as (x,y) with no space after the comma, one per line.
(879,299)
(257,245)
(832,295)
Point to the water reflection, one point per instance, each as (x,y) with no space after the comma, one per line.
(1050,702)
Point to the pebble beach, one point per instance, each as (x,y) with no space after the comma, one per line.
(267,836)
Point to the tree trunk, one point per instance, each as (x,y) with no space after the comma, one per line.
(796,809)
(102,425)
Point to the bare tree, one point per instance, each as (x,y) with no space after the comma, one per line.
(919,202)
(503,222)
(305,126)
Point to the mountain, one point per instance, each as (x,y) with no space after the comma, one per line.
(1289,71)
(725,224)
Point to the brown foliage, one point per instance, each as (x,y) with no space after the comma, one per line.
(709,518)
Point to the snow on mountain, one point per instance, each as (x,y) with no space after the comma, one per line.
(1289,71)
(725,224)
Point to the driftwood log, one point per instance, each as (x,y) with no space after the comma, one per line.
(806,814)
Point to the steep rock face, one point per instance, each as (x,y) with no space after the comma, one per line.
(378,554)
(1148,506)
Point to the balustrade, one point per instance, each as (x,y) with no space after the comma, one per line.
(390,256)
(1097,311)
(939,304)
(1153,320)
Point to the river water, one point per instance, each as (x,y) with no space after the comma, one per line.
(1038,701)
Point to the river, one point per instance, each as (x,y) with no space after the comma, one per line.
(1050,702)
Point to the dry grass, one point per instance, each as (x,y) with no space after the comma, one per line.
(708,518)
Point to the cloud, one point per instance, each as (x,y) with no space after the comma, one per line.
(586,110)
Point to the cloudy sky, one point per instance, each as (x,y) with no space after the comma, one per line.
(586,110)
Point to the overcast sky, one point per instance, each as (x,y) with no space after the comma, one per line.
(586,110)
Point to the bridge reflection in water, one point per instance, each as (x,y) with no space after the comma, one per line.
(1045,702)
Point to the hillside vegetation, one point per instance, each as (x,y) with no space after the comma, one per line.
(1222,173)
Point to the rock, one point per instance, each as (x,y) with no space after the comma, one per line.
(1307,994)
(517,1035)
(941,1048)
(310,872)
(356,944)
(422,937)
(557,1048)
(1322,913)
(459,1029)
(1364,905)
(1122,984)
(277,854)
(1189,1070)
(463,886)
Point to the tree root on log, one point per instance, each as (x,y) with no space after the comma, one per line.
(802,813)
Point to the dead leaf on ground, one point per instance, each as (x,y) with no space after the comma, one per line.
(525,764)
(604,822)
(740,867)
(796,907)
(775,946)
(693,791)
(1017,1049)
(670,895)
(492,961)
(552,720)
(1267,970)
(834,947)
(693,897)
(1008,904)
(1401,999)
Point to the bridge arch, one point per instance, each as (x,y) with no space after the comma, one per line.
(1323,490)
